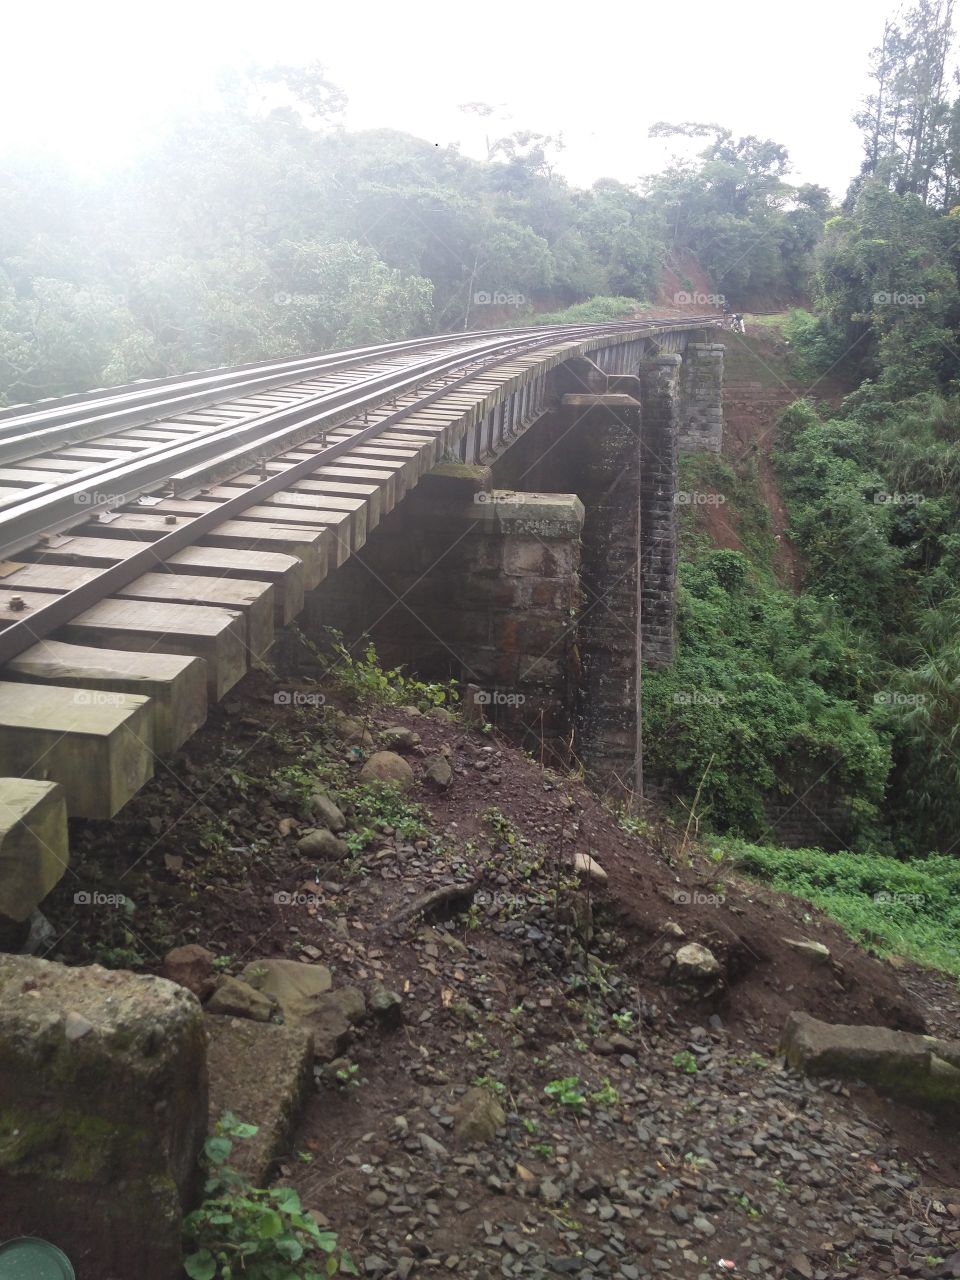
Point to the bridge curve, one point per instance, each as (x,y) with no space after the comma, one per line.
(155,536)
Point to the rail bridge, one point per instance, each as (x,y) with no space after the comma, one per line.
(499,506)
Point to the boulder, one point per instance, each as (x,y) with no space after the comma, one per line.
(695,963)
(478,1116)
(103,1077)
(322,843)
(438,773)
(399,738)
(327,811)
(443,714)
(303,992)
(922,1070)
(190,966)
(332,1019)
(815,951)
(586,866)
(385,1005)
(240,1000)
(353,732)
(262,1073)
(293,984)
(387,766)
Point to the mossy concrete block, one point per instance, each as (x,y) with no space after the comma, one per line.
(103,1113)
(34,845)
(539,515)
(261,1072)
(918,1069)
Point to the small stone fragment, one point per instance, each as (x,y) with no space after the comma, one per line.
(327,811)
(190,966)
(589,867)
(322,843)
(240,1000)
(696,962)
(438,773)
(478,1116)
(399,738)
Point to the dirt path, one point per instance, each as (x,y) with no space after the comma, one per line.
(758,385)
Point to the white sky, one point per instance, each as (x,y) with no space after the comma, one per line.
(91,79)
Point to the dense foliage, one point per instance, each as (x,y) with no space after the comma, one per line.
(249,232)
(861,673)
(766,688)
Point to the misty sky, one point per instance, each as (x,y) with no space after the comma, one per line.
(93,80)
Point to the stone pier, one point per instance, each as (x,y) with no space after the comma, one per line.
(476,583)
(701,398)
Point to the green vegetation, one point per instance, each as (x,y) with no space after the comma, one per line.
(241,233)
(376,806)
(685,1061)
(910,909)
(567,1093)
(593,311)
(765,686)
(259,1234)
(367,682)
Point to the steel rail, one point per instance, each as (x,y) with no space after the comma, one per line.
(74,501)
(70,419)
(25,437)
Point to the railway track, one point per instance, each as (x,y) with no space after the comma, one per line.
(152,536)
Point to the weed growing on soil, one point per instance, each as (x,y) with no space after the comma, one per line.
(566,1092)
(606,1095)
(910,909)
(348,1076)
(380,806)
(490,1083)
(260,1233)
(685,1061)
(364,680)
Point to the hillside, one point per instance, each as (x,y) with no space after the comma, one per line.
(625,1118)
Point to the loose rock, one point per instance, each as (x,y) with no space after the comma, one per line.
(387,766)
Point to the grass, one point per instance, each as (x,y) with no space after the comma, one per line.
(910,909)
(593,311)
